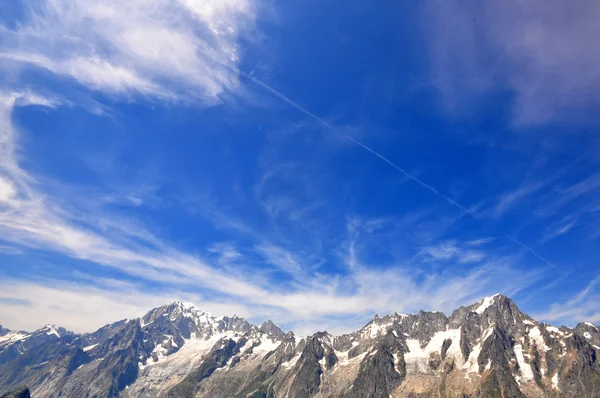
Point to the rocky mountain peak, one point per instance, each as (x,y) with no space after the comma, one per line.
(269,328)
(587,326)
(179,350)
(178,311)
(186,309)
(497,301)
(4,331)
(52,330)
(501,310)
(480,306)
(325,338)
(589,332)
(179,320)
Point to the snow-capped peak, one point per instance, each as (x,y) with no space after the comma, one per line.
(50,330)
(13,336)
(270,328)
(188,310)
(485,303)
(185,306)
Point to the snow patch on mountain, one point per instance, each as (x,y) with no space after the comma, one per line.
(51,330)
(417,357)
(291,362)
(266,345)
(171,369)
(12,337)
(525,371)
(89,347)
(485,304)
(536,336)
(555,330)
(487,333)
(374,329)
(177,338)
(471,365)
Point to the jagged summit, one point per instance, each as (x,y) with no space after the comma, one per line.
(182,306)
(178,350)
(486,302)
(52,329)
(270,328)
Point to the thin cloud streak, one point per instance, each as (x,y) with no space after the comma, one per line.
(46,226)
(28,218)
(389,162)
(126,47)
(534,49)
(581,307)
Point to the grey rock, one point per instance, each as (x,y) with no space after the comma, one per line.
(378,374)
(508,351)
(270,328)
(22,392)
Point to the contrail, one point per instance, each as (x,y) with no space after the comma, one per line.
(366,147)
(302,109)
(285,99)
(415,179)
(529,249)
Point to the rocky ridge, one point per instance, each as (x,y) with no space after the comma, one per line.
(488,349)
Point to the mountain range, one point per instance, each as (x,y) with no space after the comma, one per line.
(488,349)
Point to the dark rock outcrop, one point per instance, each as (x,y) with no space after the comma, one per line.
(488,349)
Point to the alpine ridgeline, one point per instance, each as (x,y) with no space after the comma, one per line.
(488,349)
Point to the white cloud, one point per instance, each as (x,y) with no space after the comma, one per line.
(561,228)
(283,259)
(31,98)
(450,250)
(403,290)
(33,219)
(7,190)
(542,50)
(478,242)
(83,307)
(76,307)
(86,306)
(165,49)
(586,187)
(444,251)
(582,307)
(509,199)
(10,250)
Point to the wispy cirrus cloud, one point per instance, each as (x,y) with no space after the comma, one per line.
(533,49)
(10,250)
(564,226)
(569,194)
(509,200)
(450,250)
(32,219)
(478,242)
(129,47)
(284,260)
(581,307)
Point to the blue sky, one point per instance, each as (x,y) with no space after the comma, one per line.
(312,163)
